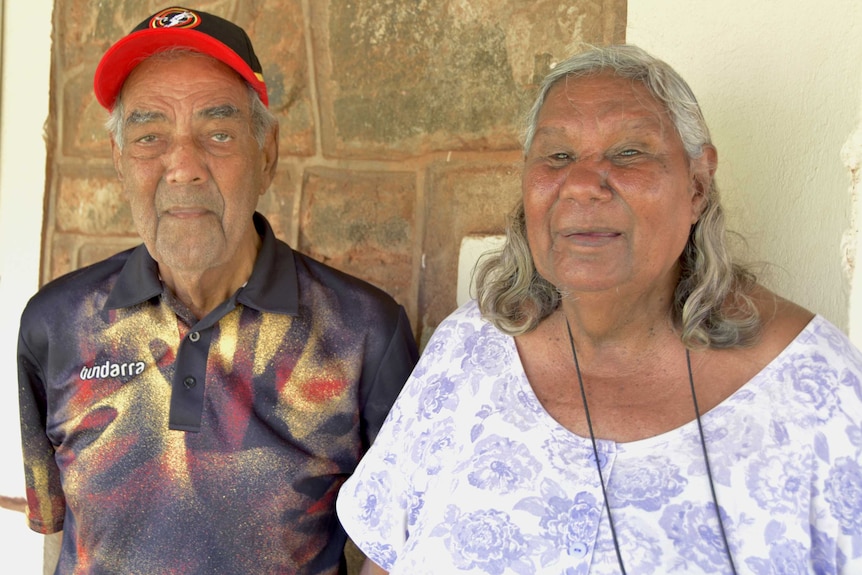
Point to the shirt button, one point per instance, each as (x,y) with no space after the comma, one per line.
(189,382)
(577,549)
(194,336)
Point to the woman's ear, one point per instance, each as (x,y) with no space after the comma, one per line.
(702,174)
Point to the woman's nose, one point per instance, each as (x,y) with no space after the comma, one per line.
(587,180)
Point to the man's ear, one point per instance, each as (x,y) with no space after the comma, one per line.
(270,158)
(116,154)
(702,174)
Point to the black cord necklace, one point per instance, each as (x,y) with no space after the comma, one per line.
(599,467)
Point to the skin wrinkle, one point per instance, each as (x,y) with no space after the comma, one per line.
(624,187)
(193,170)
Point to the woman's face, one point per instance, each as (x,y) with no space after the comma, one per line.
(609,192)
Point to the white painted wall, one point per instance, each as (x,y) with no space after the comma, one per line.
(25,66)
(852,155)
(780,83)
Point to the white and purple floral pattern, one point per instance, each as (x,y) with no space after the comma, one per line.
(471,475)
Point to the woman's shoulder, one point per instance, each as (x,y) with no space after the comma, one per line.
(465,319)
(790,330)
(781,321)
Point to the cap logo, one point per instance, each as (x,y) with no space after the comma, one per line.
(175,18)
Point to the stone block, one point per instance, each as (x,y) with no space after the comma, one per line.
(277,204)
(404,78)
(92,251)
(461,199)
(74,251)
(278,32)
(60,257)
(83,134)
(362,223)
(92,204)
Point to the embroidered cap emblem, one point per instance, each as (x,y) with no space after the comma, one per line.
(175,18)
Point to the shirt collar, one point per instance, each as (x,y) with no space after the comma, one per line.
(272,287)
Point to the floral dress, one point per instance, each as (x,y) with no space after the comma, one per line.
(471,475)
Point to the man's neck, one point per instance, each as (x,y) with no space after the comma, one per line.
(204,290)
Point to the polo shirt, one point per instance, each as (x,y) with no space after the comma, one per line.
(160,443)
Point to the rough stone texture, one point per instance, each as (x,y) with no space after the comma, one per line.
(92,205)
(362,223)
(399,127)
(465,199)
(402,78)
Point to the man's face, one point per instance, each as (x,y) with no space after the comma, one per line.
(189,163)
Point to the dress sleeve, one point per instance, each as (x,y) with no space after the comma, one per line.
(373,504)
(46,504)
(381,503)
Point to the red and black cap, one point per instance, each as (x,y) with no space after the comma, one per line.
(178,28)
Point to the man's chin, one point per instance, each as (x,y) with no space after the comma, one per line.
(187,256)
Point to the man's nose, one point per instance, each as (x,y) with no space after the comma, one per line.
(185,162)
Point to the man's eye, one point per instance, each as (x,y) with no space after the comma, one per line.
(629,153)
(560,156)
(148,139)
(221,137)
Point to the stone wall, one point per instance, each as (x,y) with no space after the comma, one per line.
(399,127)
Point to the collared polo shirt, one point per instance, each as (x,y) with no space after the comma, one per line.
(160,443)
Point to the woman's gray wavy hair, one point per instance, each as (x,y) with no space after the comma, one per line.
(262,119)
(711,305)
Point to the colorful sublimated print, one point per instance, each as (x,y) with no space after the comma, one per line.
(164,444)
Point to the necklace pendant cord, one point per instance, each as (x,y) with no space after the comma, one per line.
(599,467)
(595,450)
(708,466)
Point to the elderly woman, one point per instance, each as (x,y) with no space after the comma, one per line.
(622,397)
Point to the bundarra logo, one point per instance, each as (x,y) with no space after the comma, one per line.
(111,369)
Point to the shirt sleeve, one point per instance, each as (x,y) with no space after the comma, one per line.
(46,504)
(391,371)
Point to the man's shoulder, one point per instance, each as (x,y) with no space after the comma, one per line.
(341,285)
(79,285)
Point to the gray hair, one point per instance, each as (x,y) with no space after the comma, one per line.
(262,119)
(711,305)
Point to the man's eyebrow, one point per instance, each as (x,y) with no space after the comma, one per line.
(219,112)
(137,117)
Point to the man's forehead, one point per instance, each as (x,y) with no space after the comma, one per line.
(178,65)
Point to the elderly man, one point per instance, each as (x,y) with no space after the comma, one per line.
(192,405)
